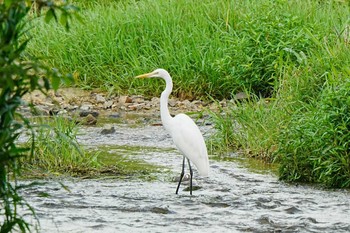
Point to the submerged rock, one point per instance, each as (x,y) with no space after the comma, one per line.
(89,120)
(108,131)
(114,115)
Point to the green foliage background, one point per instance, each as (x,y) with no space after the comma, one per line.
(215,48)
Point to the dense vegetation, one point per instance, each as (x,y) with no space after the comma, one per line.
(18,77)
(292,57)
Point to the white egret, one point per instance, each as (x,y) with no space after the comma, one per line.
(184,132)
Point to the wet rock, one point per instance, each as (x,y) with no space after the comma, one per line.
(62,112)
(55,111)
(86,113)
(223,103)
(122,107)
(114,115)
(124,99)
(241,96)
(108,131)
(313,220)
(71,107)
(25,111)
(147,106)
(160,210)
(57,94)
(155,101)
(41,110)
(172,102)
(293,210)
(136,106)
(89,120)
(194,188)
(186,104)
(108,104)
(100,98)
(265,220)
(86,107)
(215,204)
(138,99)
(197,103)
(73,101)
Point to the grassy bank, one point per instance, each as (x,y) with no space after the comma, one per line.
(215,48)
(292,57)
(304,125)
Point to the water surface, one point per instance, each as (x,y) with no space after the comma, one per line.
(234,198)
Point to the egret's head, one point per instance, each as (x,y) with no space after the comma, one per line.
(158,73)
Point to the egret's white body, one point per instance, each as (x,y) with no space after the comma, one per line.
(184,132)
(189,140)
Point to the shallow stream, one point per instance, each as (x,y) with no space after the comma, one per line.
(238,196)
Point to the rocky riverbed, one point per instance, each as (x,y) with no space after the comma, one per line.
(88,106)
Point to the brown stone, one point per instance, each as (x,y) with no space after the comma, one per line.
(89,120)
(124,99)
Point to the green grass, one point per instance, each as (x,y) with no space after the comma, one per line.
(249,128)
(315,145)
(215,48)
(57,150)
(305,125)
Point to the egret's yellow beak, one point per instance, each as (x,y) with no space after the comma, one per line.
(144,75)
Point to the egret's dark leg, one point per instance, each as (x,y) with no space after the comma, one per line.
(191,173)
(182,174)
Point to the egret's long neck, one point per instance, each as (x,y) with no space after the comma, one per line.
(164,111)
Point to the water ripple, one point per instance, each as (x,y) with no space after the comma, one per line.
(231,199)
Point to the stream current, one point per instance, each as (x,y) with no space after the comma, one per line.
(234,198)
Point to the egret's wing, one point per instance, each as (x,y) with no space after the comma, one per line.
(189,140)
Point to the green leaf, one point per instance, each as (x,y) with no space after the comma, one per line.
(64,19)
(68,79)
(50,14)
(8,3)
(56,82)
(46,83)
